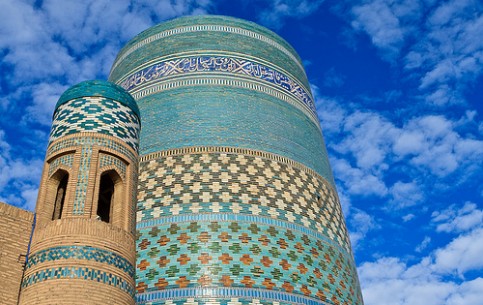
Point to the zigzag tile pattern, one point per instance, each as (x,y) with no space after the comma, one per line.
(96,114)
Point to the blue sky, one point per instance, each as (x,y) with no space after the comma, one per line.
(398,85)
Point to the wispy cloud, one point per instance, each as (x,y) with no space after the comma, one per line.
(18,177)
(436,41)
(361,223)
(392,281)
(454,219)
(367,147)
(277,11)
(448,275)
(388,23)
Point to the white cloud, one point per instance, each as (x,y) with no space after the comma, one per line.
(432,142)
(468,293)
(424,244)
(458,220)
(357,181)
(386,22)
(439,41)
(45,96)
(390,281)
(29,195)
(18,176)
(367,147)
(360,223)
(369,139)
(406,194)
(408,217)
(278,10)
(462,254)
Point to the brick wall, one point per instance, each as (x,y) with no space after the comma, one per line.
(15,227)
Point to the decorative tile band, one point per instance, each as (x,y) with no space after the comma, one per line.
(227,293)
(239,210)
(242,254)
(83,253)
(227,217)
(241,184)
(65,160)
(232,150)
(219,64)
(78,273)
(238,81)
(99,115)
(90,140)
(217,301)
(82,180)
(204,28)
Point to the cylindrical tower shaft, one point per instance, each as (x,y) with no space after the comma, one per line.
(82,250)
(236,198)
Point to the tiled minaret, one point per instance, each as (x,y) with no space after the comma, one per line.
(236,203)
(82,250)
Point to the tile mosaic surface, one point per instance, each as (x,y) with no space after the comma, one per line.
(234,183)
(219,301)
(106,160)
(253,224)
(231,117)
(82,180)
(96,114)
(213,33)
(78,273)
(65,160)
(220,64)
(87,253)
(85,145)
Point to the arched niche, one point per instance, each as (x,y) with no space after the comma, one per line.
(111,202)
(53,203)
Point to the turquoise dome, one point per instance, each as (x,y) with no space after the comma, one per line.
(99,88)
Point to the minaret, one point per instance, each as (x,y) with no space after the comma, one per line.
(82,249)
(236,199)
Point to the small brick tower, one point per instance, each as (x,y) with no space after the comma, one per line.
(82,249)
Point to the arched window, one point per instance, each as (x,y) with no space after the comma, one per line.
(60,197)
(106,195)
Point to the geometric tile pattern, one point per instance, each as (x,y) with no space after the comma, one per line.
(109,160)
(65,160)
(235,183)
(82,180)
(198,300)
(243,254)
(96,114)
(225,296)
(78,273)
(223,215)
(223,64)
(81,253)
(240,221)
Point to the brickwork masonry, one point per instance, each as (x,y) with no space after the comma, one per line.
(15,228)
